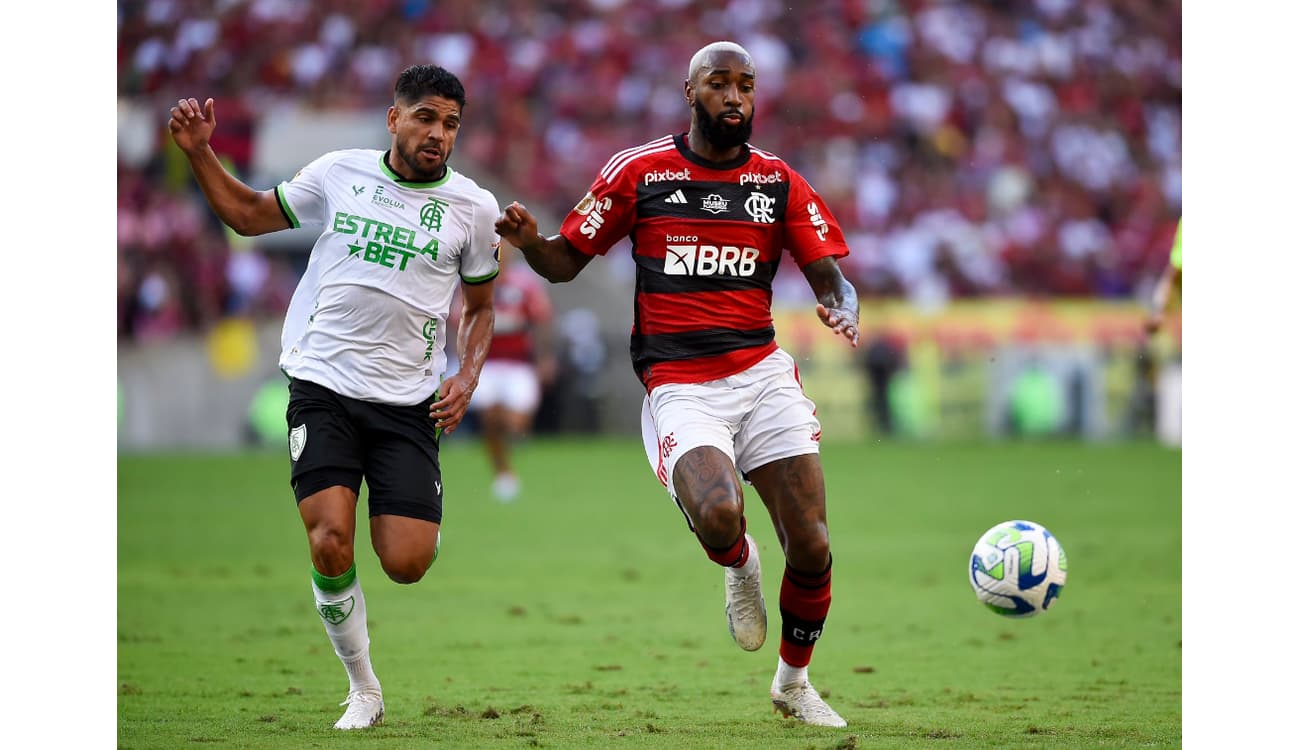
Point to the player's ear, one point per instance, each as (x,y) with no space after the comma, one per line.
(689,90)
(392,119)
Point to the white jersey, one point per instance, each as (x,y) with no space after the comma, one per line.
(368,317)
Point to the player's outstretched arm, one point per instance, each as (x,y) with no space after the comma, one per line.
(553,258)
(243,209)
(837,300)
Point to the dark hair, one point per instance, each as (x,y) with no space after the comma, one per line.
(419,81)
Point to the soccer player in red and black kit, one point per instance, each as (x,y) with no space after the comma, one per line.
(709,216)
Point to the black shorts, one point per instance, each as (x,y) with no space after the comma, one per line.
(336,440)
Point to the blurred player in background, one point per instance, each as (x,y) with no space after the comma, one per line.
(363,340)
(1168,385)
(709,217)
(519,364)
(1171,279)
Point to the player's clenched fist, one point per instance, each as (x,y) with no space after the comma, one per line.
(516,225)
(190,126)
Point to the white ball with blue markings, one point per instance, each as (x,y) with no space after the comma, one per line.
(1018,569)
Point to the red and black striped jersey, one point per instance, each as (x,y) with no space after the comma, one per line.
(707,239)
(519,304)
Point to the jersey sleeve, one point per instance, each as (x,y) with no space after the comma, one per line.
(811,232)
(604,215)
(481,261)
(302,199)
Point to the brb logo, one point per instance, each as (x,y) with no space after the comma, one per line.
(709,260)
(594,211)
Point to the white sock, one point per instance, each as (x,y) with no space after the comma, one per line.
(343,612)
(360,673)
(751,563)
(787,675)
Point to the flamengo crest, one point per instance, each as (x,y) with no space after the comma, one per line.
(759,208)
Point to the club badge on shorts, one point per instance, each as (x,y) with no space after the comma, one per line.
(297,439)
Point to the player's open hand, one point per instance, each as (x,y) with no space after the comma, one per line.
(192,127)
(841,321)
(517,226)
(452,403)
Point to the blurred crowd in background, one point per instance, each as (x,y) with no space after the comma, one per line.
(968,149)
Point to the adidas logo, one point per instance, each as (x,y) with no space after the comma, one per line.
(676,197)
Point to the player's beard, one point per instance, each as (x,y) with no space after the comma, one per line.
(719,134)
(419,174)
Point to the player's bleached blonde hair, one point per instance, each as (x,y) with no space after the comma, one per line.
(707,51)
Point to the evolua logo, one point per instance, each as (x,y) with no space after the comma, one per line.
(379,198)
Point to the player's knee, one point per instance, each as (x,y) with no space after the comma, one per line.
(810,553)
(407,569)
(331,549)
(718,524)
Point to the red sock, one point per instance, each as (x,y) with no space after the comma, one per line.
(805,600)
(731,557)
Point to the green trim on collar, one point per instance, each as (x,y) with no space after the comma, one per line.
(400,180)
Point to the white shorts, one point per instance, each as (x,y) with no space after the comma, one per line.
(505,383)
(755,417)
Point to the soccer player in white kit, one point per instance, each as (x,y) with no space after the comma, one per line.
(362,343)
(710,218)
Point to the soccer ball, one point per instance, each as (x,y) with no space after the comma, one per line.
(1018,569)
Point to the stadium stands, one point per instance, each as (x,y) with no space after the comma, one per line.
(1028,147)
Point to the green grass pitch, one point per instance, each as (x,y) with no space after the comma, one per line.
(585,615)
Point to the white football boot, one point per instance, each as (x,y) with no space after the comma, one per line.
(802,701)
(365,709)
(746,611)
